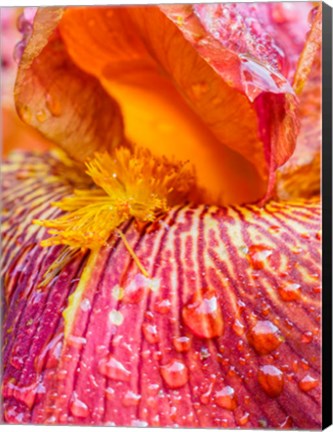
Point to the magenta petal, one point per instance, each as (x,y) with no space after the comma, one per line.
(262,368)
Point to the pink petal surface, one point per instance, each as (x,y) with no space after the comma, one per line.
(225,334)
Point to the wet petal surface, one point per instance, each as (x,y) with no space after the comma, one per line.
(209,341)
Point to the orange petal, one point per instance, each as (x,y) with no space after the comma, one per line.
(60,100)
(301,175)
(185,93)
(310,51)
(236,343)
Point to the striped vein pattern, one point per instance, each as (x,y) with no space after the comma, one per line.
(226,333)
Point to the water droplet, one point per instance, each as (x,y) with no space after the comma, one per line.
(258,255)
(79,408)
(205,397)
(203,314)
(307,337)
(226,398)
(25,394)
(264,337)
(41,116)
(116,317)
(308,383)
(204,353)
(76,341)
(135,290)
(199,89)
(109,393)
(131,399)
(263,423)
(182,343)
(150,332)
(19,50)
(296,250)
(53,104)
(157,355)
(26,113)
(242,419)
(52,351)
(316,289)
(163,306)
(238,327)
(290,292)
(271,380)
(287,424)
(174,373)
(113,369)
(85,305)
(139,423)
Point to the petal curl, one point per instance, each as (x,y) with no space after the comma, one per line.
(158,354)
(301,175)
(185,91)
(54,96)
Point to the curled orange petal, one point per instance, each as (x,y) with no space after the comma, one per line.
(54,96)
(185,91)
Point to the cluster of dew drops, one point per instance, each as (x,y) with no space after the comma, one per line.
(203,319)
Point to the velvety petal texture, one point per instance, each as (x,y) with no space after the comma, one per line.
(225,331)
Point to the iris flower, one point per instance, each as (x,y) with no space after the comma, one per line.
(162,267)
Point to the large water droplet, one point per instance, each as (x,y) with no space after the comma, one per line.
(203,314)
(271,380)
(79,408)
(226,398)
(264,337)
(258,255)
(113,369)
(174,373)
(290,292)
(308,383)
